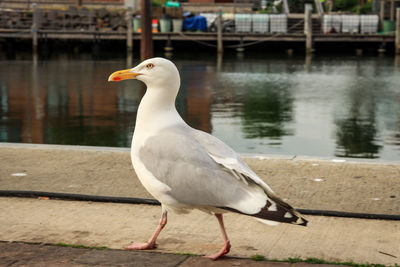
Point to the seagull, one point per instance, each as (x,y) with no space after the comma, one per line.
(184,168)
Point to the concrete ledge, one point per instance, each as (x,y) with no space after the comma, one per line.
(305,183)
(244,155)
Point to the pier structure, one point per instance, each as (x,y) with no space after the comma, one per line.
(397,42)
(80,23)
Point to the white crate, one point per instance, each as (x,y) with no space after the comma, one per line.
(278,23)
(243,22)
(260,23)
(331,23)
(369,23)
(350,23)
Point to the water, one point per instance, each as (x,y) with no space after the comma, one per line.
(340,106)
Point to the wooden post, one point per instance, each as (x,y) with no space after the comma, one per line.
(35,26)
(129,30)
(320,8)
(397,42)
(308,27)
(168,46)
(392,10)
(285,8)
(382,13)
(375,6)
(220,48)
(146,42)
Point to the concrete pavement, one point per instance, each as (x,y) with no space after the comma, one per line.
(22,254)
(306,183)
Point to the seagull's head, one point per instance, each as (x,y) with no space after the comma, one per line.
(154,72)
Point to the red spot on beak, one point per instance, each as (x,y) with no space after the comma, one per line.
(117,78)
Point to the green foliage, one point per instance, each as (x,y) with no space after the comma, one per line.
(366,8)
(297,6)
(345,5)
(321,261)
(60,244)
(353,6)
(187,254)
(257,257)
(158,2)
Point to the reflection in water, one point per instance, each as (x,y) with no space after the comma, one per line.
(357,133)
(307,63)
(397,62)
(66,103)
(356,138)
(324,107)
(266,110)
(194,98)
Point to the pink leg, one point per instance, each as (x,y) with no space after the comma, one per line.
(151,244)
(227,245)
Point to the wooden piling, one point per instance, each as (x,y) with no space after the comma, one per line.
(129,30)
(168,46)
(382,13)
(35,27)
(219,61)
(392,10)
(146,41)
(320,8)
(308,61)
(397,36)
(308,27)
(220,48)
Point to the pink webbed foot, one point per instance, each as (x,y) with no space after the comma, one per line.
(151,244)
(225,250)
(141,246)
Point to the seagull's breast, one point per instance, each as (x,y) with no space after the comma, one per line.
(155,187)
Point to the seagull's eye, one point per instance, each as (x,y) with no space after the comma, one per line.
(150,66)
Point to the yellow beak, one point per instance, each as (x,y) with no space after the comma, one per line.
(122,75)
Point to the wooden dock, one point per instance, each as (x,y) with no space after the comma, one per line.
(39,25)
(197,36)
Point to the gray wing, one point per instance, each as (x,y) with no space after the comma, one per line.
(202,171)
(176,158)
(276,209)
(229,159)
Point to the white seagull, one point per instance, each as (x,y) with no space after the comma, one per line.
(185,168)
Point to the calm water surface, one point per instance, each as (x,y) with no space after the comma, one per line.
(340,106)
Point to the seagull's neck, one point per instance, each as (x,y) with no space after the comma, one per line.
(156,111)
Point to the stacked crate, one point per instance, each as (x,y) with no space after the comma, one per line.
(369,23)
(350,23)
(278,23)
(331,23)
(260,23)
(243,22)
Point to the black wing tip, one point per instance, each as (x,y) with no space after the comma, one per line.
(304,222)
(277,217)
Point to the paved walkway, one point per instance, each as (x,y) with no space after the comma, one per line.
(21,254)
(345,186)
